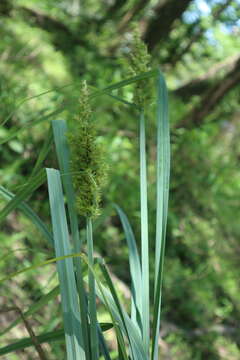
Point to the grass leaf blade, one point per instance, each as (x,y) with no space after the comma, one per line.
(163,174)
(34,308)
(127,326)
(134,261)
(27,190)
(120,84)
(43,153)
(68,290)
(63,155)
(26,342)
(27,211)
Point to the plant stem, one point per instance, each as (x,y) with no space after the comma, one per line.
(144,234)
(92,295)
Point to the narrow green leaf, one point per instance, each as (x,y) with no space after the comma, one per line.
(68,290)
(118,314)
(102,343)
(163,173)
(34,308)
(26,342)
(125,102)
(123,83)
(126,325)
(48,337)
(132,105)
(36,266)
(27,211)
(107,300)
(16,131)
(63,155)
(26,190)
(43,153)
(135,265)
(23,101)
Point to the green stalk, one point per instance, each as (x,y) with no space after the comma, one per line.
(92,295)
(144,234)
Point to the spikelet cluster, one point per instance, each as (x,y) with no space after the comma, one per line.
(87,164)
(139,62)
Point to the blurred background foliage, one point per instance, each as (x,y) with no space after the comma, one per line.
(55,44)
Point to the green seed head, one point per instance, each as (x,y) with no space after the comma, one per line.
(87,164)
(139,62)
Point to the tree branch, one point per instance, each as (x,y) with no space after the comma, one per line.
(215,14)
(202,83)
(161,24)
(5,7)
(63,38)
(112,12)
(129,16)
(211,98)
(31,333)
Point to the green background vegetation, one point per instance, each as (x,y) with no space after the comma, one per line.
(47,44)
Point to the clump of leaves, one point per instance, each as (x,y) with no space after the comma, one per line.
(87,164)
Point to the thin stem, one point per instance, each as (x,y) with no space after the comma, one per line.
(92,295)
(144,234)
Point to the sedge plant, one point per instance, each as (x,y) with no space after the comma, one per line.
(75,190)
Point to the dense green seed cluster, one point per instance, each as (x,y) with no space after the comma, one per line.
(87,164)
(139,62)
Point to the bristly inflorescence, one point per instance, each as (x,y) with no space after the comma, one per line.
(139,60)
(87,164)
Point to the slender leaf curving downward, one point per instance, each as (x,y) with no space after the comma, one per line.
(26,210)
(26,190)
(135,268)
